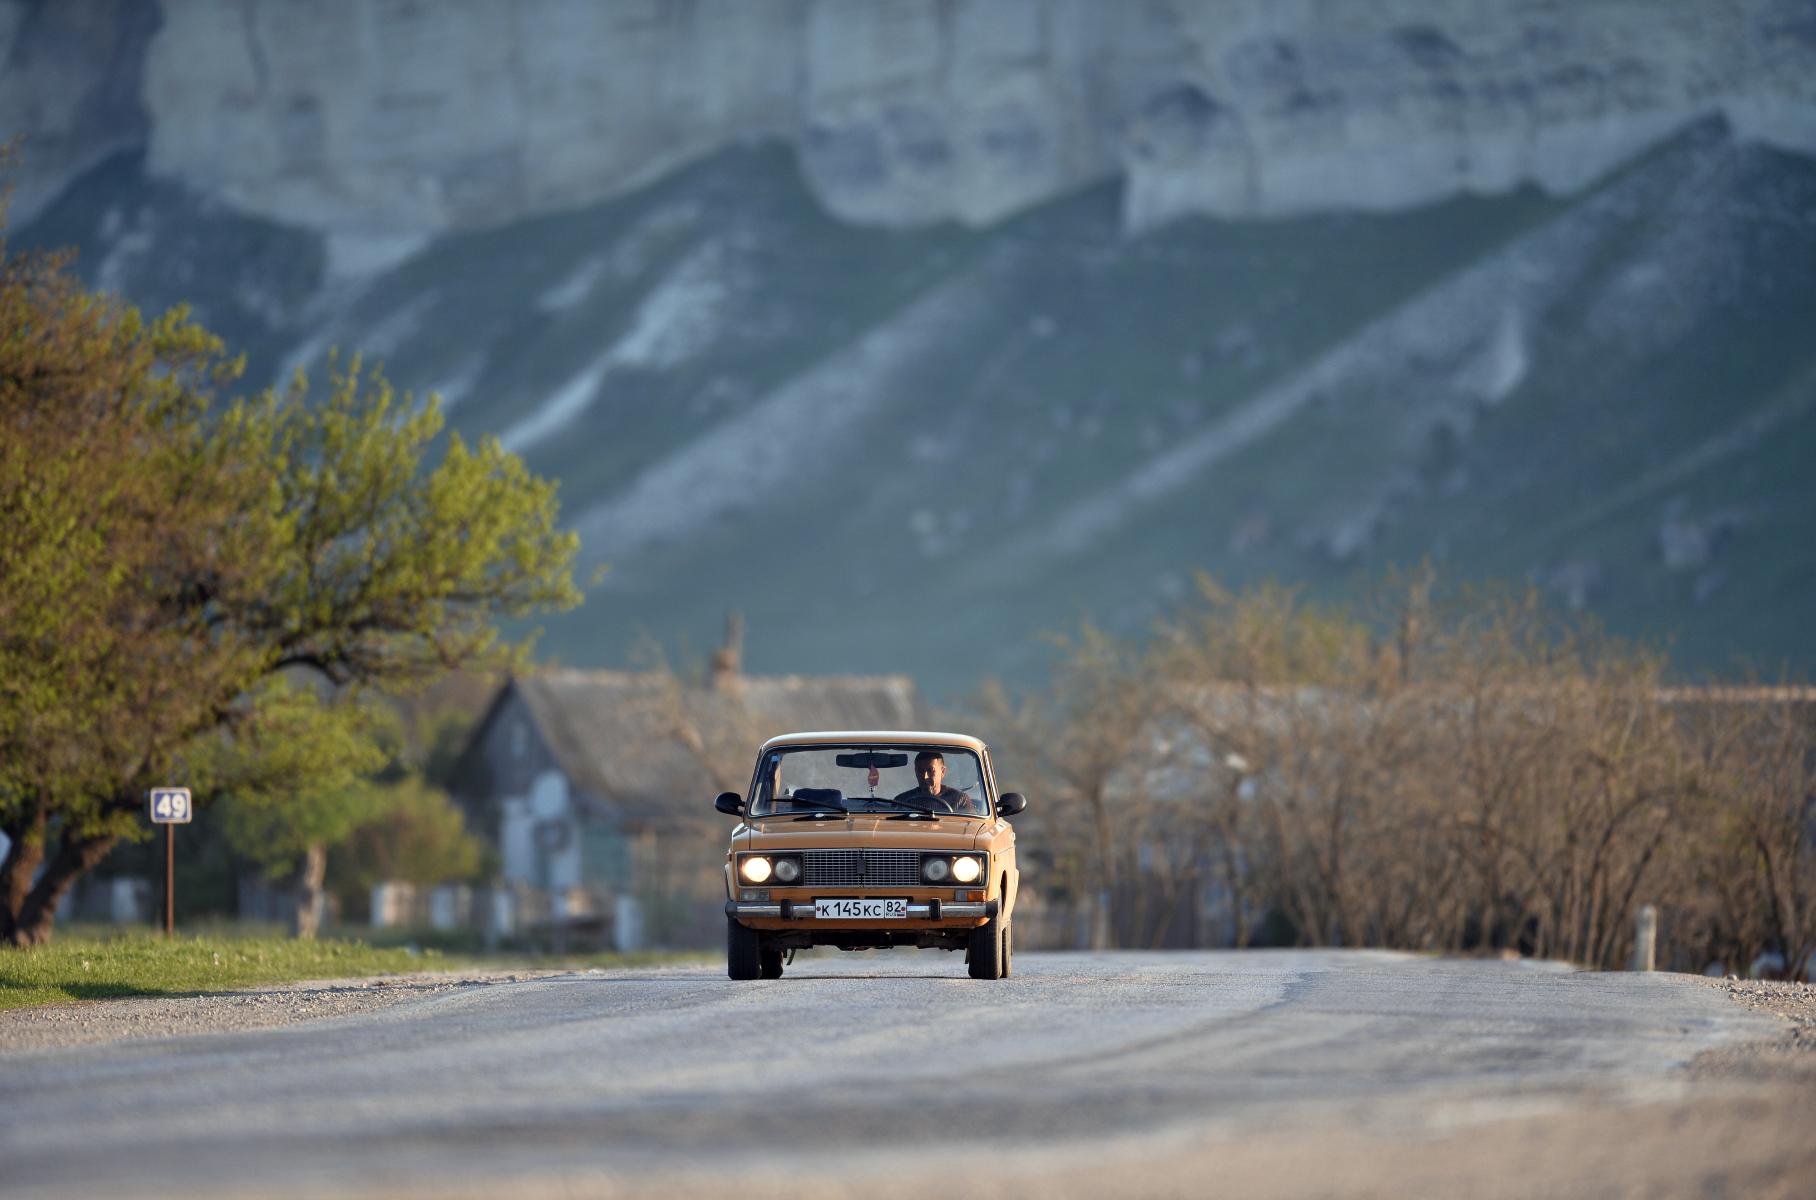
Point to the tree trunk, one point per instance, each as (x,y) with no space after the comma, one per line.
(1232,873)
(304,922)
(1173,889)
(74,856)
(25,850)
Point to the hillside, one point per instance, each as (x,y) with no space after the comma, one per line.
(911,450)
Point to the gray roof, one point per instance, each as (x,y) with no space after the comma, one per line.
(636,742)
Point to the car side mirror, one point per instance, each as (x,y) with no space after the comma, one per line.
(1010,803)
(730,803)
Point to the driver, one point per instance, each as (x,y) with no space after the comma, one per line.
(930,775)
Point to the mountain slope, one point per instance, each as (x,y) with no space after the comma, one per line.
(912,450)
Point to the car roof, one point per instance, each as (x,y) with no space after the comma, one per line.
(876,737)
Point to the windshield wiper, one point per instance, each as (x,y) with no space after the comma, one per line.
(820,811)
(929,810)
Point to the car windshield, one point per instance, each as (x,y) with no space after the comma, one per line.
(866,779)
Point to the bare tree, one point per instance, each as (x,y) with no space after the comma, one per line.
(1433,767)
(1081,740)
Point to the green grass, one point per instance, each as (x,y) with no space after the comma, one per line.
(108,962)
(142,964)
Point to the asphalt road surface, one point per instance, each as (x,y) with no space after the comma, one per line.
(1277,1072)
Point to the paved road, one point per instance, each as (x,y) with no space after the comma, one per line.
(901,1067)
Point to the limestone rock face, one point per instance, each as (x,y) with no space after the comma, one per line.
(1289,109)
(384,123)
(69,89)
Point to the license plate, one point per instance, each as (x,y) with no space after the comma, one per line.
(860,910)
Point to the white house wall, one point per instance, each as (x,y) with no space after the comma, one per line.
(516,839)
(555,834)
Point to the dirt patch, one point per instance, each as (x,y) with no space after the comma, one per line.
(85,1022)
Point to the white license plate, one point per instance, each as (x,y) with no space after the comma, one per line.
(860,910)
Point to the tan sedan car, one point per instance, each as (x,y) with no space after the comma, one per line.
(866,841)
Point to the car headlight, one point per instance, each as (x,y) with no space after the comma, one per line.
(936,869)
(787,870)
(966,869)
(756,868)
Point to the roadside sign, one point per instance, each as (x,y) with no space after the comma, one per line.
(171,806)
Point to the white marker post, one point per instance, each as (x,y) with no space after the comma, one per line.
(170,807)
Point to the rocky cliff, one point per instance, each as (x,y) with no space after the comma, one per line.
(70,83)
(781,377)
(384,123)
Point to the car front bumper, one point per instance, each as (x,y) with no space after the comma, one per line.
(802,910)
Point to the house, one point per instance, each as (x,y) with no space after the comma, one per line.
(598,786)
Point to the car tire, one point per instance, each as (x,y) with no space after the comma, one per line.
(771,963)
(743,951)
(1008,949)
(985,957)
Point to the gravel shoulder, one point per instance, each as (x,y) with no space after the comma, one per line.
(88,1022)
(1790,1059)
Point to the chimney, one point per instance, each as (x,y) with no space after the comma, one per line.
(728,660)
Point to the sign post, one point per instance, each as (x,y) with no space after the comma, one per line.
(170,807)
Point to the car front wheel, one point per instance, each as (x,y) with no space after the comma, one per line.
(985,959)
(743,951)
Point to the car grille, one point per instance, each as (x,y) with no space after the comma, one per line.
(860,868)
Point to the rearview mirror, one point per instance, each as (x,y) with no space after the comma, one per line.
(872,759)
(1010,803)
(729,802)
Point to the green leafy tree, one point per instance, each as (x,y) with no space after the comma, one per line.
(295,779)
(414,834)
(164,558)
(124,520)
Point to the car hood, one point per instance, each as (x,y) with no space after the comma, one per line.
(859,833)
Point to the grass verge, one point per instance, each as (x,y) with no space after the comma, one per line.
(87,963)
(147,965)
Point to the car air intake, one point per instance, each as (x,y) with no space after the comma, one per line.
(860,868)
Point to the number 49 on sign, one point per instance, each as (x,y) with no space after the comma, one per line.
(171,806)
